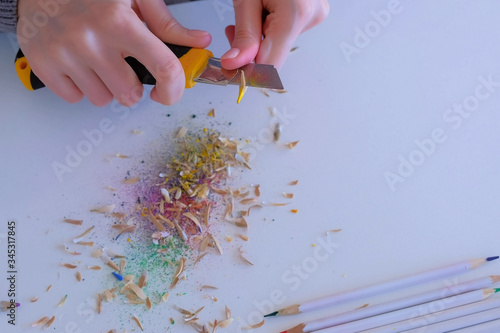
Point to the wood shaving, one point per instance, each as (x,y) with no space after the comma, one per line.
(243,237)
(200,256)
(180,270)
(295,211)
(252,207)
(225,323)
(123,228)
(74,222)
(34,299)
(279,91)
(167,221)
(70,266)
(143,280)
(158,225)
(293,49)
(138,291)
(276,204)
(257,190)
(123,263)
(112,264)
(288,195)
(148,303)
(249,201)
(138,322)
(97,253)
(130,181)
(217,244)
(291,145)
(121,155)
(264,91)
(181,133)
(78,276)
(50,322)
(164,297)
(63,300)
(277,132)
(85,243)
(41,321)
(95,268)
(293,183)
(73,253)
(206,286)
(85,233)
(243,86)
(250,327)
(194,219)
(117,215)
(48,288)
(99,303)
(244,258)
(104,209)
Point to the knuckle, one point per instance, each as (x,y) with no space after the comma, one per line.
(169,72)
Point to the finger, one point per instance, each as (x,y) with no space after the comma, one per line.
(160,62)
(161,22)
(92,87)
(321,12)
(280,31)
(65,88)
(230,33)
(121,81)
(247,34)
(58,82)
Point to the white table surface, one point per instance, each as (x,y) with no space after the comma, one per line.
(358,117)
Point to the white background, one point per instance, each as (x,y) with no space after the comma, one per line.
(357,116)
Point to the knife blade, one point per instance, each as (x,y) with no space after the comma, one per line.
(199,66)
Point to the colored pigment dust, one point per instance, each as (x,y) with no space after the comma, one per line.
(177,202)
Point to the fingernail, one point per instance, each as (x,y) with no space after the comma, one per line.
(197,33)
(233,53)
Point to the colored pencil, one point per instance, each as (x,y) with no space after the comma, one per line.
(458,323)
(407,281)
(405,313)
(488,327)
(423,320)
(373,310)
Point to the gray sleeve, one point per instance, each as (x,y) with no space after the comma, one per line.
(8,15)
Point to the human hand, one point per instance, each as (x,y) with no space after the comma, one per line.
(286,20)
(80,51)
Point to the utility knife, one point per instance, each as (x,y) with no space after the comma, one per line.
(199,66)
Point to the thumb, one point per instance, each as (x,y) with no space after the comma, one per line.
(246,35)
(162,23)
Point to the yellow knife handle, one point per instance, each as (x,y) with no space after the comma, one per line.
(193,62)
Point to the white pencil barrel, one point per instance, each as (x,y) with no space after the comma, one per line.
(488,327)
(377,309)
(406,313)
(458,323)
(437,317)
(389,286)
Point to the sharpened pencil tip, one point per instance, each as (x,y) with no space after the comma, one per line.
(492,258)
(272,314)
